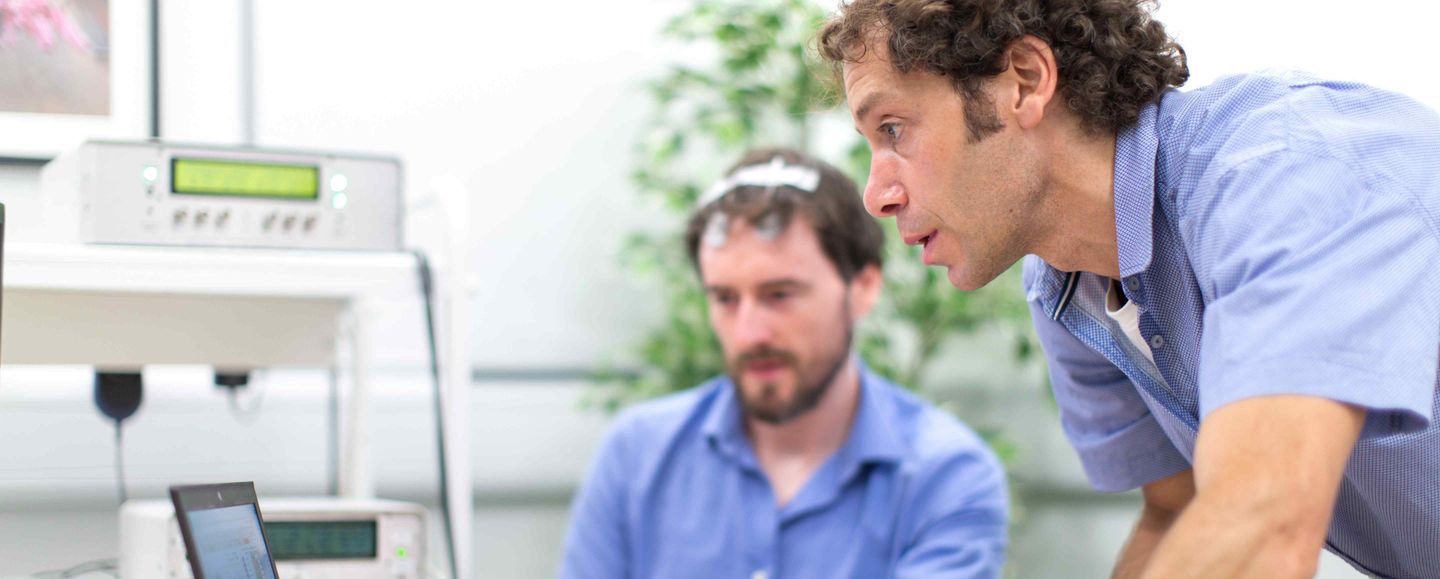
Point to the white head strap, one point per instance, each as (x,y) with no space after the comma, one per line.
(769,175)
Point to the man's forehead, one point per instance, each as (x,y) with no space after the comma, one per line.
(765,234)
(871,81)
(746,247)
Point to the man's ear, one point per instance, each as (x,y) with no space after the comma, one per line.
(865,291)
(1030,81)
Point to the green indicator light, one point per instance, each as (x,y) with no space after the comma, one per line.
(401,552)
(339,200)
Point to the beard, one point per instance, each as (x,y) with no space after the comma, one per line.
(812,380)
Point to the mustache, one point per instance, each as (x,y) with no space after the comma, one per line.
(764,354)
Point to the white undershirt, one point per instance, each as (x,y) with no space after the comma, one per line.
(1127,316)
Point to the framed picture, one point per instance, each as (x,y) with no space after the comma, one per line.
(72,70)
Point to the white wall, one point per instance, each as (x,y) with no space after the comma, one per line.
(534,105)
(1388,44)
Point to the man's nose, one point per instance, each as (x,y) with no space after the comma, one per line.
(883,194)
(754,325)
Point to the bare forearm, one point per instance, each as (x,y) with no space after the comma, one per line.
(1266,471)
(1213,539)
(1146,537)
(1165,499)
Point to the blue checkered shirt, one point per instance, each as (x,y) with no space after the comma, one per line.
(676,491)
(1279,234)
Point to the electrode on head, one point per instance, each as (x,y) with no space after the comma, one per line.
(771,176)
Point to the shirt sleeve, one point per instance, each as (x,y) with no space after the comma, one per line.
(1318,282)
(596,545)
(966,536)
(1120,443)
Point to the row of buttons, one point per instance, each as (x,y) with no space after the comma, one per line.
(1157,341)
(201,218)
(271,222)
(287,222)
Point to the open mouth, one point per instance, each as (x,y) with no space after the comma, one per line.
(926,243)
(921,240)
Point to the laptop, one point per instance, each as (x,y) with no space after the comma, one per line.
(224,535)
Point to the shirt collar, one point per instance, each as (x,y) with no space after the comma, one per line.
(873,435)
(722,426)
(1136,154)
(1136,150)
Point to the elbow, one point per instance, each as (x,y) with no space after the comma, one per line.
(1158,518)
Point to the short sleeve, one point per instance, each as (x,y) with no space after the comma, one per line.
(1120,443)
(1318,282)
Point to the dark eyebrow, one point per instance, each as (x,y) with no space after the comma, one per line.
(870,102)
(793,284)
(772,285)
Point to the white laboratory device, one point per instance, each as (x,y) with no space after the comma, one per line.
(159,193)
(327,538)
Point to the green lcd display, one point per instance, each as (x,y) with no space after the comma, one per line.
(299,541)
(244,179)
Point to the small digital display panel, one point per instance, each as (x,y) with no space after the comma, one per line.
(299,541)
(244,179)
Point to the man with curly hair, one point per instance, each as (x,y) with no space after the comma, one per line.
(1237,287)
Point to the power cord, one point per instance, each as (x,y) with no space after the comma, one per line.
(117,395)
(233,383)
(120,463)
(332,434)
(108,566)
(427,283)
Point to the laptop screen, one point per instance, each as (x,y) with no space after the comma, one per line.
(228,543)
(223,531)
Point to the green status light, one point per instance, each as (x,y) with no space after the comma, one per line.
(401,552)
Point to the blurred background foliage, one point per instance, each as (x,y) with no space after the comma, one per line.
(747,74)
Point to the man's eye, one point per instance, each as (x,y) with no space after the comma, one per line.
(778,296)
(890,130)
(723,299)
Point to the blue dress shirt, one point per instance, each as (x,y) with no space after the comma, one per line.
(676,491)
(1280,234)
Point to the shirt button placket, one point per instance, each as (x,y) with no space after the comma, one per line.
(765,528)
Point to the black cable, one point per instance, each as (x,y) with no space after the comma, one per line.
(427,287)
(332,433)
(119,463)
(109,566)
(232,385)
(155,69)
(118,396)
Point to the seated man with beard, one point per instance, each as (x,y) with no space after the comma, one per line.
(799,462)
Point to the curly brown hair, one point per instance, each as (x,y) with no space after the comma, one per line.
(1113,58)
